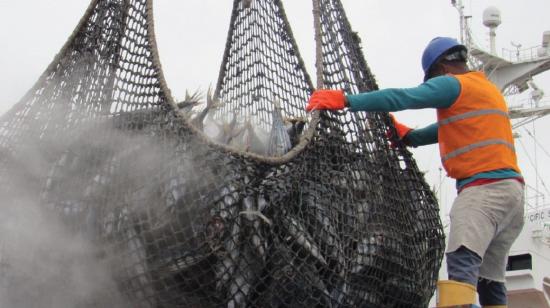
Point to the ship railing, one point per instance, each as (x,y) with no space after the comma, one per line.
(526,54)
(528,103)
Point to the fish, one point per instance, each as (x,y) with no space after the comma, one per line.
(247,139)
(256,139)
(364,254)
(100,180)
(294,128)
(55,174)
(247,3)
(279,140)
(298,234)
(242,281)
(225,205)
(226,268)
(257,213)
(240,138)
(136,257)
(228,130)
(258,243)
(339,295)
(211,104)
(262,203)
(321,215)
(173,262)
(213,127)
(176,189)
(251,212)
(293,282)
(361,294)
(249,205)
(189,102)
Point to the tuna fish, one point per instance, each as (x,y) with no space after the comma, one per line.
(279,140)
(189,102)
(211,104)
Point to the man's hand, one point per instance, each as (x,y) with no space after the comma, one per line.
(327,100)
(401,129)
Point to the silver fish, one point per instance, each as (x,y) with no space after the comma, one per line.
(176,264)
(226,203)
(259,244)
(240,138)
(211,104)
(226,269)
(246,139)
(247,3)
(252,213)
(294,128)
(279,140)
(227,131)
(249,206)
(136,257)
(327,232)
(302,237)
(339,295)
(238,290)
(224,131)
(243,280)
(256,144)
(367,248)
(262,203)
(189,102)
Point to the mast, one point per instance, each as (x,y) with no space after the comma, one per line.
(513,71)
(460,7)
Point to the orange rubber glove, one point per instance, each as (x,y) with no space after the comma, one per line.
(401,129)
(327,99)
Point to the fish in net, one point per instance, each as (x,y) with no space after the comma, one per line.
(242,200)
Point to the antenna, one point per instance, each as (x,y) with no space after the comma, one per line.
(491,19)
(518,48)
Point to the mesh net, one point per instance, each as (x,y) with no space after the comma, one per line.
(243,200)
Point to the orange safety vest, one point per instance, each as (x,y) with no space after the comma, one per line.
(475,134)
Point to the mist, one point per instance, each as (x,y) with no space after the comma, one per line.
(44,264)
(51,250)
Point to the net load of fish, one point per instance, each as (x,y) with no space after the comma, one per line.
(240,199)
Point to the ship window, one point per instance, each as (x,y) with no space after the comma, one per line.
(519,262)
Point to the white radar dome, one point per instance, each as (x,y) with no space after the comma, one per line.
(491,17)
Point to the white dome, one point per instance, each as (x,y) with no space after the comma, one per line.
(491,17)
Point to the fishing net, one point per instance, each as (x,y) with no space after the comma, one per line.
(236,199)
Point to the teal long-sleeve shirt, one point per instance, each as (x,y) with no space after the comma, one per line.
(438,92)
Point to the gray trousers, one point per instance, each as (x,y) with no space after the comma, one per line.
(487,219)
(485,222)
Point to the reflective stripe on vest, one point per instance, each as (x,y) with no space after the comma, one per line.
(473,146)
(472,114)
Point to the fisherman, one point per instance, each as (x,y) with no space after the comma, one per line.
(477,149)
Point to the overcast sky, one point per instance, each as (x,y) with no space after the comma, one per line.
(191,36)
